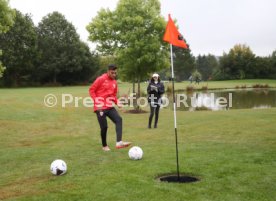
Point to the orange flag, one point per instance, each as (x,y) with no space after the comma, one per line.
(172,35)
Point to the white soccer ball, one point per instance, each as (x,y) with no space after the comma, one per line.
(58,167)
(135,153)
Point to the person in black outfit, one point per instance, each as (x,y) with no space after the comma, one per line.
(155,90)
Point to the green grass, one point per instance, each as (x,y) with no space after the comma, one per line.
(232,152)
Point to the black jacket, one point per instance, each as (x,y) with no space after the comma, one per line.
(156,91)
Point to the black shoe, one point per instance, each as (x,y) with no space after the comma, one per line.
(149,127)
(155,126)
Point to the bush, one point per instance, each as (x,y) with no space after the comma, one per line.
(260,86)
(169,89)
(189,88)
(204,88)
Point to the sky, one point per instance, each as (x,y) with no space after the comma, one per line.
(209,26)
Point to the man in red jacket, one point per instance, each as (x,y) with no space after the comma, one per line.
(104,94)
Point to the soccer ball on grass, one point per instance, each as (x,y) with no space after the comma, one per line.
(135,153)
(58,167)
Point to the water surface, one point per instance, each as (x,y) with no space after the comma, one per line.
(226,99)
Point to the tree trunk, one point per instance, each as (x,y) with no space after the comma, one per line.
(138,93)
(55,77)
(137,107)
(134,94)
(133,86)
(16,80)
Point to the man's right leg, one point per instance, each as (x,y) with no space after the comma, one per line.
(103,125)
(117,120)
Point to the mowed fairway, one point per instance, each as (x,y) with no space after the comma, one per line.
(233,153)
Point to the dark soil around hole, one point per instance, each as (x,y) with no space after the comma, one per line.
(175,179)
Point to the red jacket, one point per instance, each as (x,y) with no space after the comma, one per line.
(104,92)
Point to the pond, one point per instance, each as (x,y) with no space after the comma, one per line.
(224,99)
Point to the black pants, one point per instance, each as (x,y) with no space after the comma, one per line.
(154,109)
(115,118)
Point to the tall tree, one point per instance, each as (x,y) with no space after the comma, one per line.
(133,34)
(6,21)
(238,63)
(184,63)
(19,50)
(89,62)
(261,68)
(2,68)
(272,61)
(206,65)
(60,48)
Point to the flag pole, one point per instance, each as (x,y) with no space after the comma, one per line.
(173,37)
(174,114)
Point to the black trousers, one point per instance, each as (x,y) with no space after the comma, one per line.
(115,118)
(154,110)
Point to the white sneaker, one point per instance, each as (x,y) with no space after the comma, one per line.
(122,144)
(106,148)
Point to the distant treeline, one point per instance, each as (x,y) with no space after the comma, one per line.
(53,54)
(48,54)
(239,63)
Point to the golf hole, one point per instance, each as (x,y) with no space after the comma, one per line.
(174,178)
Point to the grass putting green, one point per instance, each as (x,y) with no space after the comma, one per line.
(232,152)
